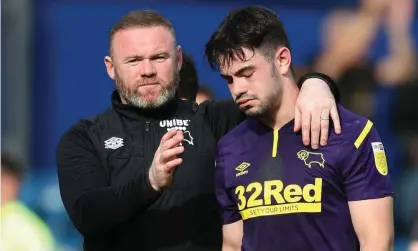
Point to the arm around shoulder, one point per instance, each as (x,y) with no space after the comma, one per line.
(93,204)
(327,79)
(221,116)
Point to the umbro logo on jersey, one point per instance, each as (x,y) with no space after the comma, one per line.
(242,169)
(113,143)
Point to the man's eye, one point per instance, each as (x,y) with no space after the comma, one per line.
(160,59)
(248,75)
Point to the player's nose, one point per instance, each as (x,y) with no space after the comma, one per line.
(238,89)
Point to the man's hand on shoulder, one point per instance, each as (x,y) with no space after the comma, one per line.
(315,106)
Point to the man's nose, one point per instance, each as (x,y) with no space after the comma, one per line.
(238,88)
(147,69)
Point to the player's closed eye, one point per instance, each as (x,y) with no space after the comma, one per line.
(248,75)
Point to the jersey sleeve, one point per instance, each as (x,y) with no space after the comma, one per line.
(92,203)
(365,173)
(221,116)
(228,208)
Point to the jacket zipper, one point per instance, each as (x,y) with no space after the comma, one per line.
(147,126)
(149,141)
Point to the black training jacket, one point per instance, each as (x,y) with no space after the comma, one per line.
(103,166)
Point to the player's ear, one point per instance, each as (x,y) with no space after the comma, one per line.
(179,53)
(110,67)
(283,60)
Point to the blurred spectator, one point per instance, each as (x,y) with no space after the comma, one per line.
(189,80)
(22,229)
(204,93)
(348,36)
(398,67)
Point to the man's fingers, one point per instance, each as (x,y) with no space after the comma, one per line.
(324,128)
(174,141)
(306,126)
(335,119)
(168,136)
(172,164)
(169,154)
(315,129)
(297,120)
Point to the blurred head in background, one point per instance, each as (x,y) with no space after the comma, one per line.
(251,50)
(11,176)
(203,94)
(189,79)
(144,59)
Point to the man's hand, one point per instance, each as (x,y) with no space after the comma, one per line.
(314,107)
(166,160)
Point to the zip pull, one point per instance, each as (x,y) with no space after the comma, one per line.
(147,126)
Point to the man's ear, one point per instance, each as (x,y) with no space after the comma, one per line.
(283,60)
(179,57)
(109,67)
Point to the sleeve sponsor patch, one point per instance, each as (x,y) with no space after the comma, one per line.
(380,157)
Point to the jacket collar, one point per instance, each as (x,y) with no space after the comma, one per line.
(134,113)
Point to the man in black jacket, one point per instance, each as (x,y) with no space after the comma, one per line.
(140,175)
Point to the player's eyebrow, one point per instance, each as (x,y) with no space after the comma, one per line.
(244,69)
(238,72)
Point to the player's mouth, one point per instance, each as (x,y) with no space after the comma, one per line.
(149,84)
(243,102)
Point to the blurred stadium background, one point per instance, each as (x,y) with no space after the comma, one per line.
(53,74)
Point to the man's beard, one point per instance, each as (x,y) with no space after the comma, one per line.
(269,103)
(134,98)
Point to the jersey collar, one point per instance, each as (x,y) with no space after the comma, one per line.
(286,127)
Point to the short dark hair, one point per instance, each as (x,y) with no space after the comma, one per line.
(252,27)
(12,166)
(189,79)
(142,19)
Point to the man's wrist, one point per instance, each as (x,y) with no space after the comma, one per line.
(151,181)
(330,82)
